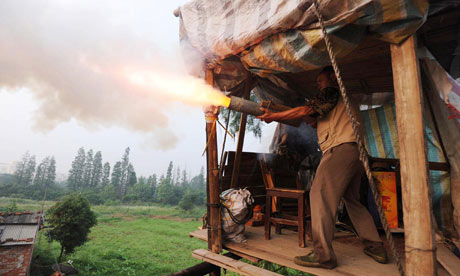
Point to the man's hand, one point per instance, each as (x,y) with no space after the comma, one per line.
(307,110)
(268,116)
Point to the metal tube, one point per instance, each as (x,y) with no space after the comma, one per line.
(246,106)
(253,108)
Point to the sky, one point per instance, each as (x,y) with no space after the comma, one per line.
(66,82)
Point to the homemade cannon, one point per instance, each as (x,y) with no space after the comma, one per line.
(253,108)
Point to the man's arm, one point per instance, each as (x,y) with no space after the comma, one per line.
(300,112)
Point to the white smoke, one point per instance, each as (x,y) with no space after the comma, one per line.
(73,55)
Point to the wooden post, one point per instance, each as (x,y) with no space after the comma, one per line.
(418,227)
(213,200)
(241,133)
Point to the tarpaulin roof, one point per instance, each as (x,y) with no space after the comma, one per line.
(226,27)
(275,37)
(284,35)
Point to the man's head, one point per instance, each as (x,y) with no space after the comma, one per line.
(326,78)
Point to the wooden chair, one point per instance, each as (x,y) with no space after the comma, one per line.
(273,198)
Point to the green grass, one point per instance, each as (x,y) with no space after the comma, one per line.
(135,247)
(129,240)
(23,204)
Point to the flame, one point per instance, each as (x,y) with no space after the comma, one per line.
(187,89)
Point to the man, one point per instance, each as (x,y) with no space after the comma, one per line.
(338,175)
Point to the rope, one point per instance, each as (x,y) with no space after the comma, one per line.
(362,151)
(246,217)
(49,235)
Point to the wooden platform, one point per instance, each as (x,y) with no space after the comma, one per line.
(231,264)
(281,250)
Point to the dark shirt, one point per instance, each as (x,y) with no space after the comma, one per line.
(325,101)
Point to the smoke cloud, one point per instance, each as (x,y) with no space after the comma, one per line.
(74,56)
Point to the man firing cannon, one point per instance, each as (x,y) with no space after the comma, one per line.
(338,175)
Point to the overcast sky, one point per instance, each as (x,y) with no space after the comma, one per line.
(62,85)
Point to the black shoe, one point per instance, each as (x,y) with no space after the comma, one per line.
(377,252)
(310,260)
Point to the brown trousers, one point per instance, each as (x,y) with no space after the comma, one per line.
(338,175)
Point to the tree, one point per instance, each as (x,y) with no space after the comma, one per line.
(132,177)
(176,181)
(190,199)
(125,167)
(21,168)
(165,192)
(106,175)
(169,173)
(198,182)
(76,172)
(116,180)
(40,175)
(71,220)
(88,168)
(183,181)
(97,170)
(139,191)
(50,178)
(30,171)
(152,183)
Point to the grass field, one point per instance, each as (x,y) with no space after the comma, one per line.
(129,240)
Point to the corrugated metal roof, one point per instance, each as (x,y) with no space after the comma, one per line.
(18,228)
(17,234)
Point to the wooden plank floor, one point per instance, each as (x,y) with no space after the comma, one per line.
(281,250)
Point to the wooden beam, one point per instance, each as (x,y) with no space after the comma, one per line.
(241,133)
(448,260)
(196,270)
(419,234)
(204,268)
(214,219)
(231,264)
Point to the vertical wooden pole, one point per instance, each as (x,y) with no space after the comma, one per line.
(418,227)
(213,200)
(241,133)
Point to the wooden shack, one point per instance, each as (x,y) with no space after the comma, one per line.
(275,49)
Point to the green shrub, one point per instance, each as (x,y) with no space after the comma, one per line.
(71,220)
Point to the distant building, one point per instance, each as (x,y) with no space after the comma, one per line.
(17,239)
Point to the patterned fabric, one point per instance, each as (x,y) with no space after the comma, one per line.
(325,101)
(447,87)
(381,139)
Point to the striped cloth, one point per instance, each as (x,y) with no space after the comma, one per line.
(382,141)
(302,50)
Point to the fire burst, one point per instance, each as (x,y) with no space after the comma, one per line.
(186,89)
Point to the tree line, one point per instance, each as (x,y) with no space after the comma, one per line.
(31,180)
(102,183)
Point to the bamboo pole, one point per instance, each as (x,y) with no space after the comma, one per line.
(213,200)
(241,133)
(418,227)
